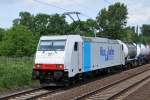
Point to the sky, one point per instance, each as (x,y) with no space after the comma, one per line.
(139,10)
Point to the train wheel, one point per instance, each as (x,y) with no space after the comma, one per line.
(67,83)
(84,77)
(72,81)
(121,67)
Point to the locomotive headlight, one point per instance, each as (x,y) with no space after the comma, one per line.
(60,66)
(37,66)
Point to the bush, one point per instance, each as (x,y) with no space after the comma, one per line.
(18,41)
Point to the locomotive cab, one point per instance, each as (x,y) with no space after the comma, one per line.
(57,58)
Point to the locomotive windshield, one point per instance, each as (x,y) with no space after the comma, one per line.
(52,45)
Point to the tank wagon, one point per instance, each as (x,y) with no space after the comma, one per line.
(63,59)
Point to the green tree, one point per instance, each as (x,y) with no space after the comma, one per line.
(112,20)
(128,35)
(143,39)
(85,28)
(57,25)
(145,29)
(41,23)
(26,19)
(18,41)
(2,32)
(90,26)
(50,24)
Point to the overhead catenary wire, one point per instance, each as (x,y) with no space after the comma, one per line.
(82,6)
(66,10)
(61,8)
(52,5)
(107,1)
(49,4)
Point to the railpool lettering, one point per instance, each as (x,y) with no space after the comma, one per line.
(107,53)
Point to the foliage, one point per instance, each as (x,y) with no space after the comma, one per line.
(112,20)
(18,41)
(145,30)
(26,19)
(128,35)
(2,32)
(58,24)
(143,39)
(85,28)
(42,23)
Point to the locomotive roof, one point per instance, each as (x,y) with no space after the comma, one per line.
(99,39)
(54,37)
(93,39)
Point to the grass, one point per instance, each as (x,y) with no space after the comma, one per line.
(15,73)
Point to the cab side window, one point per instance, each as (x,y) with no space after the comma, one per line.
(76,46)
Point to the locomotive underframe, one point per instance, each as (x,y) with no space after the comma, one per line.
(50,76)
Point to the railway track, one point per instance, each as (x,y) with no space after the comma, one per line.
(115,90)
(29,94)
(111,91)
(36,93)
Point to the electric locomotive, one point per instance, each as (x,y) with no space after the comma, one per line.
(60,59)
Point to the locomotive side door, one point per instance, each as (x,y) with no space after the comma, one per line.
(78,56)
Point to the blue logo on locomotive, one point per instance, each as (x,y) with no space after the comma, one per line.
(107,54)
